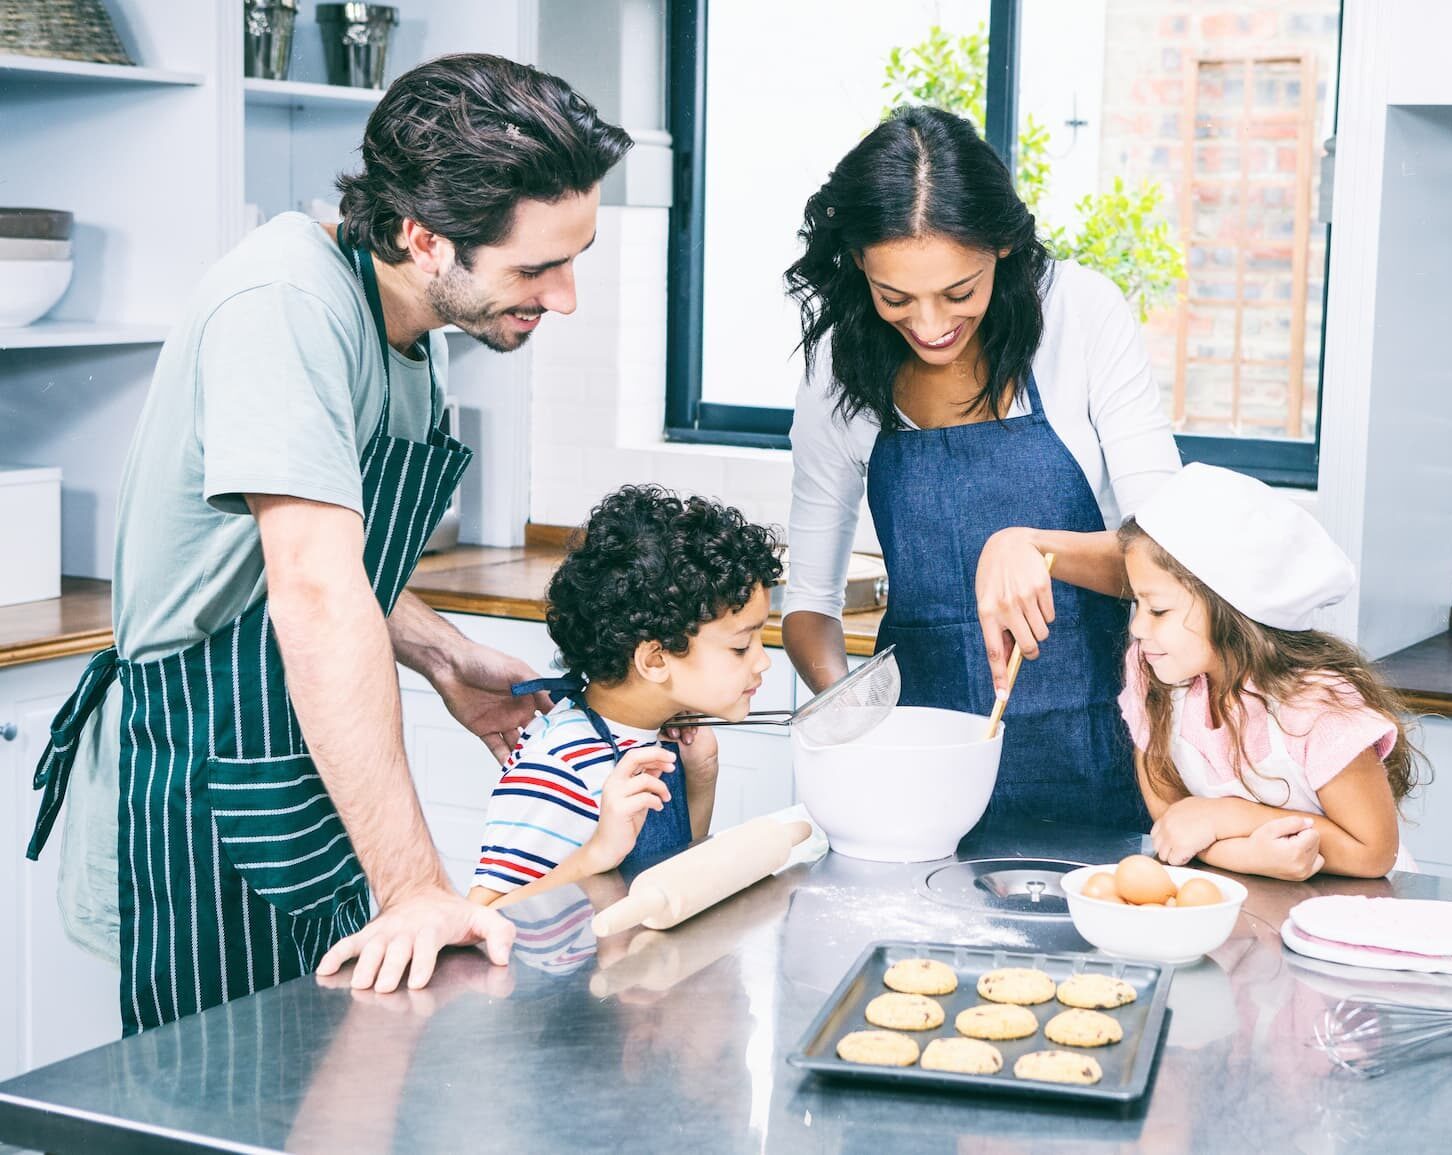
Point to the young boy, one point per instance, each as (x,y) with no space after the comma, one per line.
(658,612)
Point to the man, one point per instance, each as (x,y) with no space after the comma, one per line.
(243,785)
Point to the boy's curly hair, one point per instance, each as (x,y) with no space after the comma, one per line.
(653,567)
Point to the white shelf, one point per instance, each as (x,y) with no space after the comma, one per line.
(74,334)
(51,69)
(301,94)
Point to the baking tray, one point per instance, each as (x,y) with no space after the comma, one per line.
(1126,1064)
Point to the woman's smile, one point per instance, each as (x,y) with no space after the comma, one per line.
(943,342)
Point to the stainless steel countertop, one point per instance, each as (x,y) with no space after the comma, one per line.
(676,1041)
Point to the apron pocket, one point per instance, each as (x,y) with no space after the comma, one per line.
(281,832)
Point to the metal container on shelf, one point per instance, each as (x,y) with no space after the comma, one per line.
(268,49)
(355,42)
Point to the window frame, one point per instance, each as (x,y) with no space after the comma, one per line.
(690,419)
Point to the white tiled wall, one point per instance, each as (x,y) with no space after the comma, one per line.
(599,393)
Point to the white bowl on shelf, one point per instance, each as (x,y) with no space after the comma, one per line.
(905,792)
(33,249)
(29,289)
(1163,934)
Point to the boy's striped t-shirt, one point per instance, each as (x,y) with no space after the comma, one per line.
(547,801)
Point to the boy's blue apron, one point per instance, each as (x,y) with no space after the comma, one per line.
(235,870)
(936,496)
(665,832)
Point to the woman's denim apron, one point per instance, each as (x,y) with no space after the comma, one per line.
(937,495)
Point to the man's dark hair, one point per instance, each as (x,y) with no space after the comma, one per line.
(456,143)
(653,567)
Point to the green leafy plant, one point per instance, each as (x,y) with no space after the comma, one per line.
(1119,232)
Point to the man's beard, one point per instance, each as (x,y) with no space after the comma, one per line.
(449,295)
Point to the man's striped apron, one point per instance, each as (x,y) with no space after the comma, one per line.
(235,870)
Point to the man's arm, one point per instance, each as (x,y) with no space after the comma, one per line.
(341,678)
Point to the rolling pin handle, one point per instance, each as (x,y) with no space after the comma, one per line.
(799,832)
(632,910)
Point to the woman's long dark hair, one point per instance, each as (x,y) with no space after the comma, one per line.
(922,172)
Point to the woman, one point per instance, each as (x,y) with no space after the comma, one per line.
(1000,407)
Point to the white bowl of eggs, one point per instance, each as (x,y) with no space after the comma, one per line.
(1140,909)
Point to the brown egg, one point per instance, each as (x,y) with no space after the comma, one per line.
(1101,886)
(1142,881)
(1199,892)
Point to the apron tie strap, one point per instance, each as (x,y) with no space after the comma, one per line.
(571,685)
(53,772)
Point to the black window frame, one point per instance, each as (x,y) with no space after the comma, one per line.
(690,419)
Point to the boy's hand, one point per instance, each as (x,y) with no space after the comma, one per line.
(1184,830)
(633,789)
(1287,848)
(698,751)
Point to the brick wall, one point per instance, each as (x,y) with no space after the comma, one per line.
(1149,47)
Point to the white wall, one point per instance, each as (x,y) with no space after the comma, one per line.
(1427,818)
(1406,556)
(1387,406)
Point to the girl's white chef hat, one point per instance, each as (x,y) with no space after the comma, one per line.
(1256,548)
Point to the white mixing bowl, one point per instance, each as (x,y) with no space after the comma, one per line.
(29,288)
(907,791)
(1165,934)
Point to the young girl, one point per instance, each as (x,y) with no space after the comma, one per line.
(1263,746)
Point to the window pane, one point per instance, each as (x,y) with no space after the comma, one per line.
(790,88)
(1224,108)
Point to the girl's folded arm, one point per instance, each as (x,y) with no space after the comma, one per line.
(1154,802)
(1358,831)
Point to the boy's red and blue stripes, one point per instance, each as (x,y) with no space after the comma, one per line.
(547,801)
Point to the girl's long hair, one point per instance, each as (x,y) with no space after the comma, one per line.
(922,172)
(1272,666)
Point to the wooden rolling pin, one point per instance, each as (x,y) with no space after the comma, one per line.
(701,876)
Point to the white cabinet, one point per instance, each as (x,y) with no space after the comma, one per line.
(454,772)
(55,998)
(756,761)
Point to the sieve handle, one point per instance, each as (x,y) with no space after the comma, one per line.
(748,721)
(1015,660)
(756,718)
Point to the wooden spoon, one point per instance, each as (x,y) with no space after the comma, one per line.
(1015,660)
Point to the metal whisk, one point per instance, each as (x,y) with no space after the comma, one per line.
(1369,1038)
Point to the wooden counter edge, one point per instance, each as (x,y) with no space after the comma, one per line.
(44,649)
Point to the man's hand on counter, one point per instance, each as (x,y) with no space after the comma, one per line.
(408,935)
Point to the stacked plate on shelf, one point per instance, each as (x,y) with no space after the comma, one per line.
(35,263)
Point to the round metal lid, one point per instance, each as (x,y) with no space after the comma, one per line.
(1013,887)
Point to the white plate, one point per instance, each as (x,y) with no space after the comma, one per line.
(1362,957)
